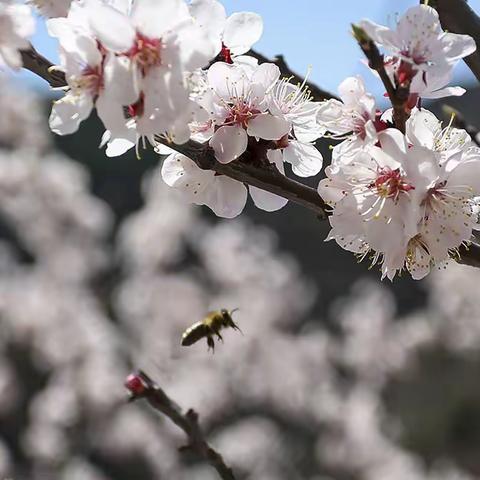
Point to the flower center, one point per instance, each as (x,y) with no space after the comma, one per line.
(225,54)
(146,52)
(240,113)
(418,57)
(390,183)
(91,80)
(137,109)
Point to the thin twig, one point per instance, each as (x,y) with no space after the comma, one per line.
(141,385)
(398,94)
(37,63)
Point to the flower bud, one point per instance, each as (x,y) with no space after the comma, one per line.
(135,384)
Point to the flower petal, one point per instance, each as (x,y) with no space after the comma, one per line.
(183,174)
(227,197)
(265,200)
(268,127)
(241,31)
(305,159)
(111,27)
(154,17)
(68,112)
(229,143)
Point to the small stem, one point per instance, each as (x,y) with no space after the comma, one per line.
(188,422)
(36,63)
(399,94)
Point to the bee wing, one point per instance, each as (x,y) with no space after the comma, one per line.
(194,333)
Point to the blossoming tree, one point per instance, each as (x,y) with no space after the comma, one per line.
(401,188)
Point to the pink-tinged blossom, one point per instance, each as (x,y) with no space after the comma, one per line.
(354,119)
(294,104)
(421,51)
(16,26)
(238,108)
(410,202)
(82,59)
(372,197)
(225,196)
(159,42)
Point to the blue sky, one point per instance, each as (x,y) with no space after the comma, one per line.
(312,33)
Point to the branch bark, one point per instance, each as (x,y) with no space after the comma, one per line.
(317,93)
(398,94)
(266,177)
(37,63)
(146,388)
(457,17)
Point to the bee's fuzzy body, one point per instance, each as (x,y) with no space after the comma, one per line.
(208,327)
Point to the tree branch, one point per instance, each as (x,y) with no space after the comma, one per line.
(398,94)
(140,385)
(316,92)
(37,63)
(457,17)
(266,177)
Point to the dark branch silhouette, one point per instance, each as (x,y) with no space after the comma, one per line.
(140,385)
(37,63)
(457,17)
(398,94)
(316,92)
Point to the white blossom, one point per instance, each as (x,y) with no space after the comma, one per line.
(234,35)
(422,52)
(225,196)
(16,26)
(354,119)
(160,42)
(409,202)
(238,108)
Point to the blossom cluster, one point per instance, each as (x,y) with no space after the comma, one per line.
(406,200)
(171,71)
(411,200)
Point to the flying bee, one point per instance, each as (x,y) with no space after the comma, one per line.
(209,326)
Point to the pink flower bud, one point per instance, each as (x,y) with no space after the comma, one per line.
(135,385)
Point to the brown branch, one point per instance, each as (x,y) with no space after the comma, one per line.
(457,17)
(266,177)
(316,92)
(140,385)
(398,94)
(36,63)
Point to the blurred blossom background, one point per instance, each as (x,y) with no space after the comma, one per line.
(338,376)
